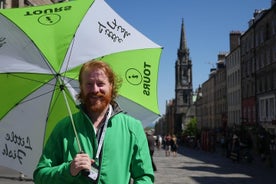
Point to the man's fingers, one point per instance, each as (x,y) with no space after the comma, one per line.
(80,162)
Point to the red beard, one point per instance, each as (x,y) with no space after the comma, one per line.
(96,102)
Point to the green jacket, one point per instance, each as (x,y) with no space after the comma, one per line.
(125,151)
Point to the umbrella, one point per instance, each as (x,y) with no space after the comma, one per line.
(41,51)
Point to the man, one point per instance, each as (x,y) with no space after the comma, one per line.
(114,145)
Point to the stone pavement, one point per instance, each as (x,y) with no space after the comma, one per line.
(199,167)
(191,167)
(8,176)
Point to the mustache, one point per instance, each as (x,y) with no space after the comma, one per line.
(93,95)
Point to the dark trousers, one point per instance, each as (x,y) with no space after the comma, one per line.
(153,164)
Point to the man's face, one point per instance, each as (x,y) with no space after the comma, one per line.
(96,90)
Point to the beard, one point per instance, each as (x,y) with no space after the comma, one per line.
(96,102)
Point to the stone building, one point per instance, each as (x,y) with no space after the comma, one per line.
(211,103)
(220,92)
(199,111)
(258,68)
(264,32)
(250,80)
(208,101)
(165,124)
(234,81)
(248,77)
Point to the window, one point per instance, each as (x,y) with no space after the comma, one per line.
(262,62)
(2,4)
(274,53)
(274,80)
(267,108)
(267,32)
(273,26)
(262,36)
(269,81)
(271,109)
(268,61)
(185,98)
(14,3)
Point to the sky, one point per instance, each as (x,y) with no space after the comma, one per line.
(207,27)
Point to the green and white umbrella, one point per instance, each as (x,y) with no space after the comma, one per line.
(41,51)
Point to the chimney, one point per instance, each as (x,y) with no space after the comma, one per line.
(234,40)
(222,56)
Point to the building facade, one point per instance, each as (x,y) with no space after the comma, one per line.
(208,101)
(264,28)
(250,80)
(234,81)
(220,92)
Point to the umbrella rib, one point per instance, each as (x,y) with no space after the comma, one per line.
(67,65)
(67,62)
(26,78)
(34,97)
(34,80)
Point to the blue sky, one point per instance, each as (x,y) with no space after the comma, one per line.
(207,27)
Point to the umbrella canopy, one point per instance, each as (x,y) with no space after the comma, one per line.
(41,51)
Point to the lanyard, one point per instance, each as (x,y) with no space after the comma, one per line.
(103,133)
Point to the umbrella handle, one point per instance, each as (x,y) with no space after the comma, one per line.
(84,172)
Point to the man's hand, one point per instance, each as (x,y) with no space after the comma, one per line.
(82,161)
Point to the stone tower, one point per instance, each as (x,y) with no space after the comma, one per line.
(183,83)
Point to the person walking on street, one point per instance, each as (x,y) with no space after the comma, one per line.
(174,145)
(168,145)
(113,144)
(151,144)
(158,142)
(235,151)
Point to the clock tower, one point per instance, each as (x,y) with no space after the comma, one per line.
(183,83)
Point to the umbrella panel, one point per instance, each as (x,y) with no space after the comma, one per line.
(139,78)
(22,129)
(15,87)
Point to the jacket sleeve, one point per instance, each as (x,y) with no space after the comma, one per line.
(141,167)
(52,166)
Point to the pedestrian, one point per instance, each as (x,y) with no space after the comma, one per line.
(158,142)
(174,145)
(151,144)
(114,144)
(168,145)
(160,139)
(235,151)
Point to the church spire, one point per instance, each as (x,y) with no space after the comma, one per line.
(183,44)
(183,50)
